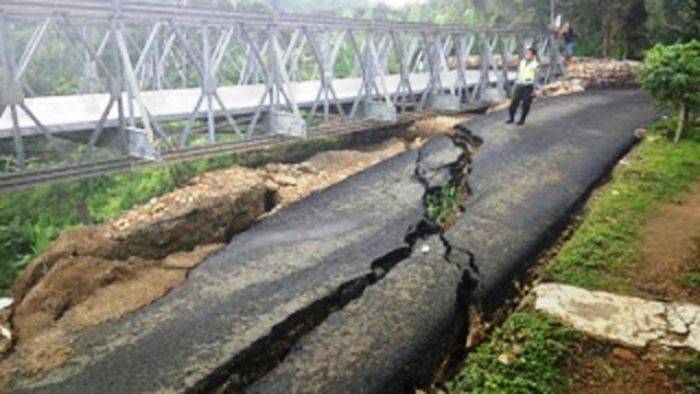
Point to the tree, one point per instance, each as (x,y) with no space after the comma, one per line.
(672,21)
(633,34)
(671,74)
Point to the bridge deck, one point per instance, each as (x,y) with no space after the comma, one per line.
(83,111)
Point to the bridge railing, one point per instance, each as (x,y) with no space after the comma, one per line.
(92,80)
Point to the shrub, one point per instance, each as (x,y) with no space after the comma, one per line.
(671,74)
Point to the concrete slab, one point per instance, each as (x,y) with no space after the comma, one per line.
(630,321)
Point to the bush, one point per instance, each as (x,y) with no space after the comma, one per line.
(671,74)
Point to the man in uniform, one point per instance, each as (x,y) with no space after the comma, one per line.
(525,86)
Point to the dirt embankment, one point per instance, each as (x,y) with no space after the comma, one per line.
(94,274)
(671,245)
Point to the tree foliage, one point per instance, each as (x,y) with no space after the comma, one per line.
(671,21)
(671,74)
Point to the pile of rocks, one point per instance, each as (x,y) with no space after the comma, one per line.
(586,73)
(563,87)
(604,72)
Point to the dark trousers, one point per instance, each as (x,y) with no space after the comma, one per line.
(523,93)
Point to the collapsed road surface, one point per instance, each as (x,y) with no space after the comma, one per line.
(350,290)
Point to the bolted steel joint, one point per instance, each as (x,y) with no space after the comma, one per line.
(210,84)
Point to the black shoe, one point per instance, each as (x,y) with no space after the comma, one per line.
(509,121)
(520,123)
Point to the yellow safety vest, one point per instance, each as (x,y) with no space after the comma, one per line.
(527,73)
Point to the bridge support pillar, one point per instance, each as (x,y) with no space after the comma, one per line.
(493,95)
(378,110)
(139,144)
(286,123)
(444,102)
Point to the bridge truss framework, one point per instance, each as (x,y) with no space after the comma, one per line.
(126,52)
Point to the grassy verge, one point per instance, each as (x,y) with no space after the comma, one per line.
(522,356)
(31,219)
(529,353)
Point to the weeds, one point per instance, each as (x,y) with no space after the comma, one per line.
(442,204)
(526,355)
(692,279)
(686,370)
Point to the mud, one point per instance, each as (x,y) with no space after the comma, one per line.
(293,182)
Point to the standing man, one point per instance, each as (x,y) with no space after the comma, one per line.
(567,33)
(524,86)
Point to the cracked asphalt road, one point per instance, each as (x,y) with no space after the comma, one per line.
(313,276)
(524,182)
(296,266)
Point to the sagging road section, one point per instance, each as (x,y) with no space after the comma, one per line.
(348,291)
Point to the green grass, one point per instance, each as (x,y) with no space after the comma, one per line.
(686,370)
(692,279)
(442,204)
(604,245)
(31,219)
(526,355)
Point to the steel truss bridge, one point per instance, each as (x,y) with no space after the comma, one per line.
(89,87)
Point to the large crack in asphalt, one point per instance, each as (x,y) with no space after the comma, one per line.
(271,350)
(464,138)
(415,305)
